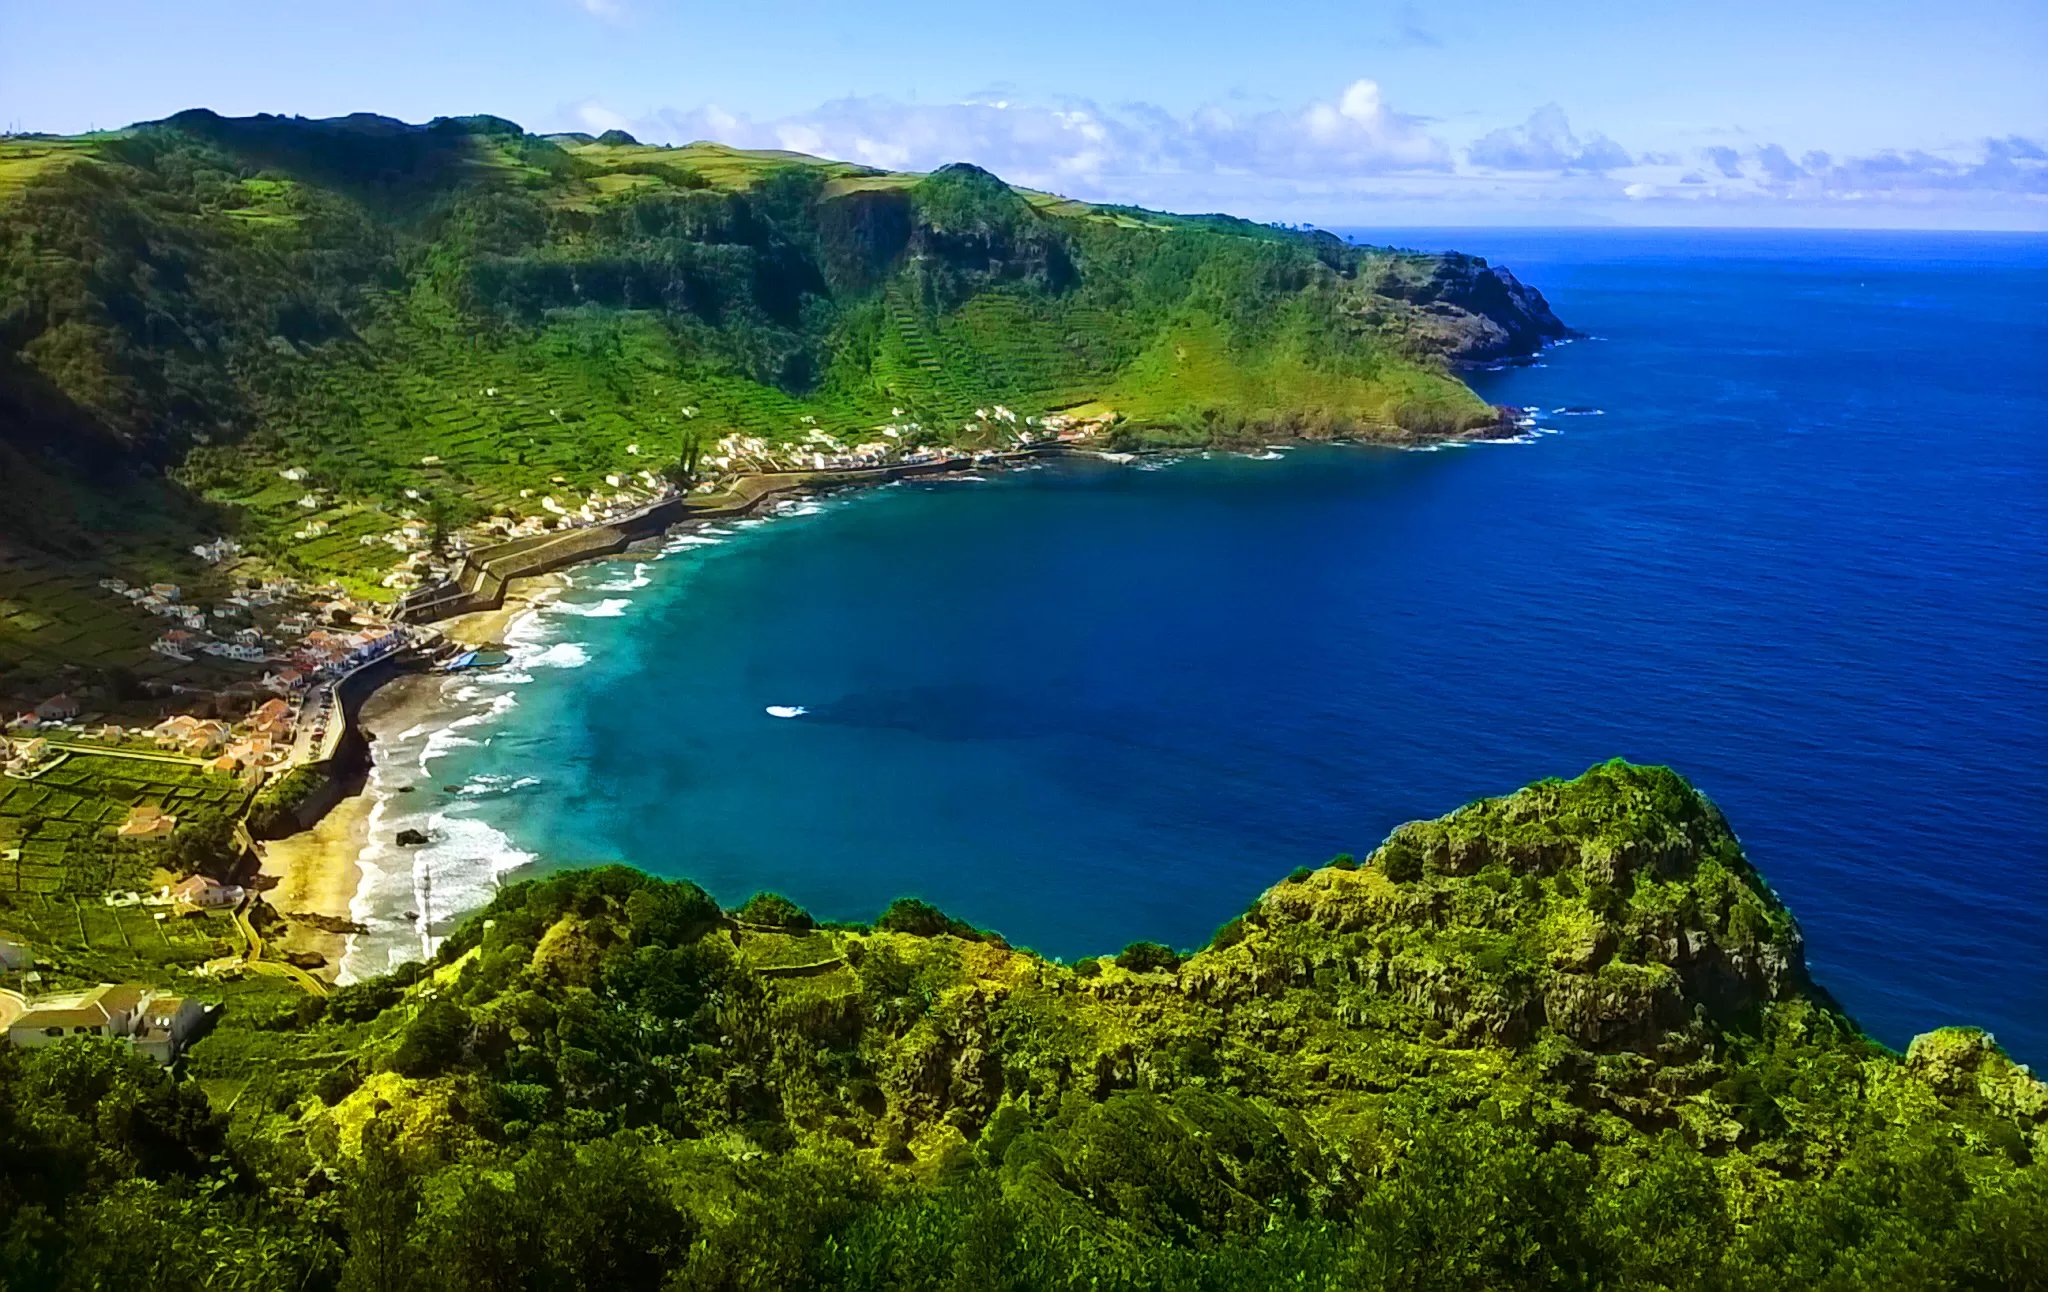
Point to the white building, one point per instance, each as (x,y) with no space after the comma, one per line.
(155,1023)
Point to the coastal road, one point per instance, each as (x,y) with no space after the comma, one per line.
(108,751)
(274,968)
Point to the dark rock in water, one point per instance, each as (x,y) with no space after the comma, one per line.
(407,789)
(327,923)
(411,838)
(451,789)
(414,916)
(305,959)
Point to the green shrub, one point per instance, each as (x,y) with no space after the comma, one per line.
(909,915)
(1400,861)
(1147,957)
(775,910)
(433,1040)
(1229,935)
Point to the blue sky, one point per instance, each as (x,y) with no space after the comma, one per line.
(1822,112)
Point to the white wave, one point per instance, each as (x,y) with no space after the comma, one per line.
(787,711)
(560,655)
(527,629)
(633,582)
(609,608)
(686,541)
(501,704)
(485,784)
(441,743)
(1268,456)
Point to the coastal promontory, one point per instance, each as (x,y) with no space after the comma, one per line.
(1565,1037)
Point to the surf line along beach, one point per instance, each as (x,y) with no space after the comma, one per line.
(359,902)
(396,900)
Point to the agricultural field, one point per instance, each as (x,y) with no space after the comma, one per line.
(27,157)
(59,617)
(92,942)
(56,831)
(432,419)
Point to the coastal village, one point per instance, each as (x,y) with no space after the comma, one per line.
(258,661)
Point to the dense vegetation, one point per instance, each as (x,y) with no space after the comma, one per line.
(456,320)
(1560,1039)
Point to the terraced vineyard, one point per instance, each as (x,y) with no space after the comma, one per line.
(95,942)
(56,830)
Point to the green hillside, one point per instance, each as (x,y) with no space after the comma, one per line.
(1564,1038)
(458,319)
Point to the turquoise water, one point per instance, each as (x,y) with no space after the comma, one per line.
(1792,544)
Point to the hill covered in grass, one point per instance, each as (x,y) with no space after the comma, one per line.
(1564,1038)
(299,332)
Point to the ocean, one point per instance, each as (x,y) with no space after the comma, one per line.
(1779,524)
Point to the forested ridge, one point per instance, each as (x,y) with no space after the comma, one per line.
(1564,1038)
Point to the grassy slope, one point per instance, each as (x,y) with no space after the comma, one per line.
(225,300)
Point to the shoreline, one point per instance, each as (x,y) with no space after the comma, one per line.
(318,872)
(321,867)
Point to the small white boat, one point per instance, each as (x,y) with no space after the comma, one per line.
(787,711)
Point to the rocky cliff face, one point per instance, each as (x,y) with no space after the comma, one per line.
(1461,307)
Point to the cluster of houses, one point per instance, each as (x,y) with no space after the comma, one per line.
(263,739)
(1066,428)
(228,631)
(155,1023)
(330,652)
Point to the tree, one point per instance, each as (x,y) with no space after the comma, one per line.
(378,1211)
(1147,957)
(682,473)
(774,909)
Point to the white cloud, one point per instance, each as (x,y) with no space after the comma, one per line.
(1086,148)
(1351,156)
(1546,142)
(2008,170)
(598,118)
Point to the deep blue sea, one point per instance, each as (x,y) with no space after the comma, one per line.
(1796,553)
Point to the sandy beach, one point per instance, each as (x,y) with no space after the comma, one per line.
(316,874)
(318,871)
(487,627)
